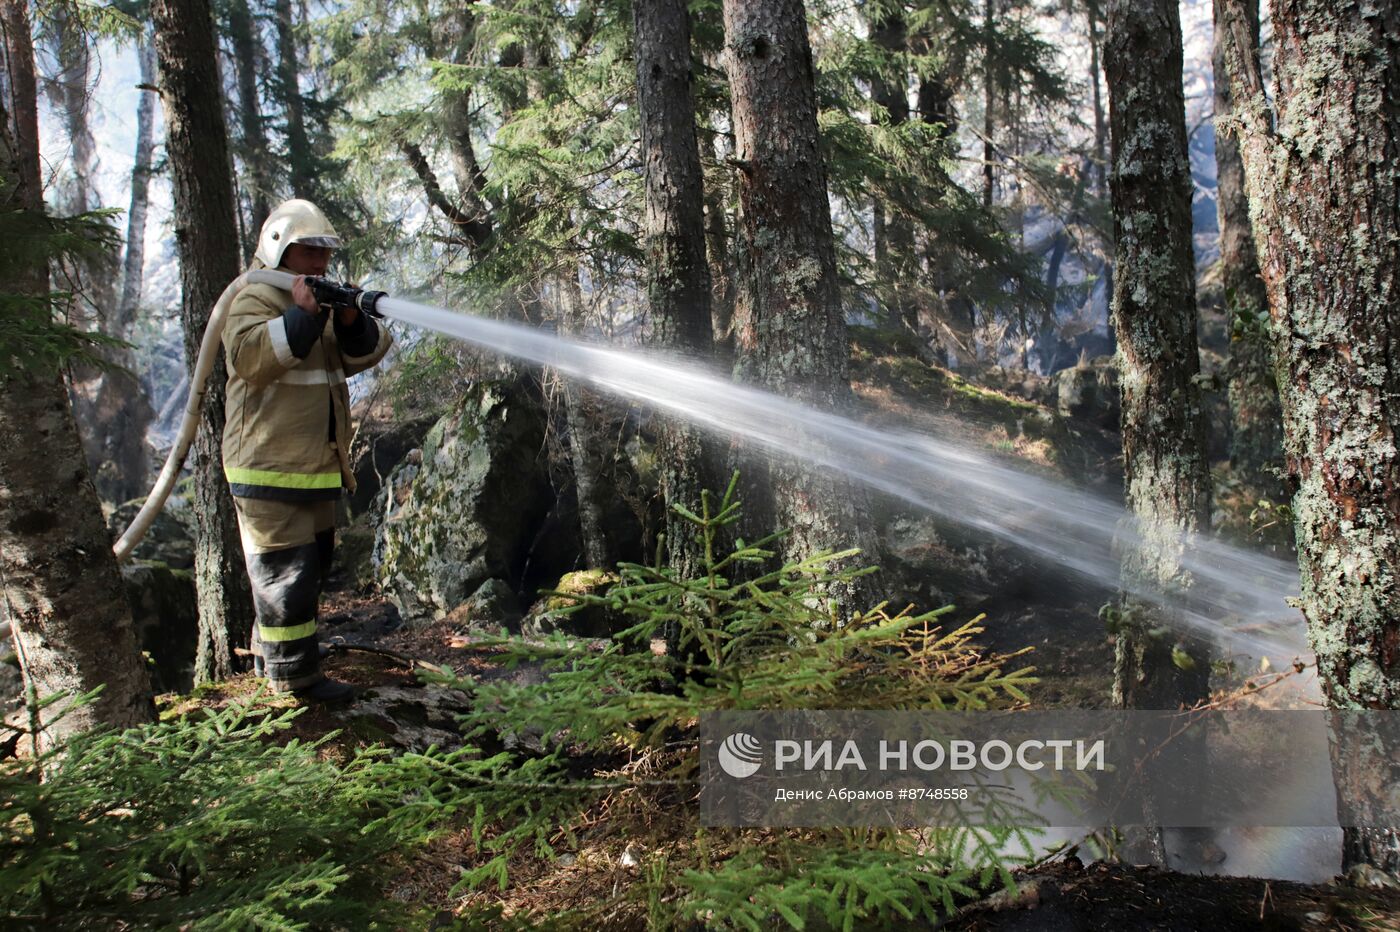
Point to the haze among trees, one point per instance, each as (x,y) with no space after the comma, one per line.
(1142,253)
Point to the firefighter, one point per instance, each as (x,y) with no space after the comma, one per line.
(286,431)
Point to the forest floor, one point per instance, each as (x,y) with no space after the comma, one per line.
(1062,894)
(1066,896)
(1022,606)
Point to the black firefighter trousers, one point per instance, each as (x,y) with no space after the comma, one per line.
(287,547)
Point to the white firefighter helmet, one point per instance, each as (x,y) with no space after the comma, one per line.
(294,221)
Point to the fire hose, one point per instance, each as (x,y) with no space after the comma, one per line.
(329,294)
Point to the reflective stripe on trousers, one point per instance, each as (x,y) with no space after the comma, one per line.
(286,587)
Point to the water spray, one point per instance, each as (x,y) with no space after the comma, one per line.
(1238,597)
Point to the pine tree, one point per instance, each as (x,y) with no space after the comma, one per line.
(245,39)
(1323,183)
(893,229)
(678,283)
(789,322)
(1256,422)
(109,403)
(207,238)
(134,257)
(64,596)
(1154,315)
(301,169)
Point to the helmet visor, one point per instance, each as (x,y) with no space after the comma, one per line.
(325,242)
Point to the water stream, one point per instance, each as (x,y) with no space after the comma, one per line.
(1237,601)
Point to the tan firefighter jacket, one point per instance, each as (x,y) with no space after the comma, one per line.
(287,420)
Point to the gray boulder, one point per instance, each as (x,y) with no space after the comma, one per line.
(493,605)
(589,621)
(1089,392)
(467,508)
(414,718)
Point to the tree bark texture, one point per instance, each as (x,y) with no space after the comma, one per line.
(1256,421)
(64,596)
(591,445)
(721,211)
(1325,202)
(678,276)
(1154,313)
(206,234)
(244,35)
(134,259)
(1324,195)
(719,253)
(790,329)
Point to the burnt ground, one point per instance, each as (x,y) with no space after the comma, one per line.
(1068,897)
(1071,649)
(1060,895)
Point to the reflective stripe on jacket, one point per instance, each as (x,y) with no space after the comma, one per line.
(287,420)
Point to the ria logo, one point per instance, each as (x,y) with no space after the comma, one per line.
(740,755)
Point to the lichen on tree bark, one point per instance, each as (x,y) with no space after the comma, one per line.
(1256,421)
(1154,314)
(1324,194)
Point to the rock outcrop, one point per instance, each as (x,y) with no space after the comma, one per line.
(1089,392)
(468,507)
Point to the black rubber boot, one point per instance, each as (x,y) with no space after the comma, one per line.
(327,691)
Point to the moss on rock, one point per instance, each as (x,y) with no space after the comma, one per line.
(469,509)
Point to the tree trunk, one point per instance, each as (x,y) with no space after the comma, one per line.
(1323,193)
(951,318)
(243,33)
(64,596)
(1100,138)
(720,206)
(68,92)
(109,406)
(678,279)
(207,238)
(790,330)
(1100,121)
(457,126)
(1049,345)
(1256,421)
(590,442)
(893,231)
(988,103)
(719,254)
(1154,312)
(134,259)
(300,167)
